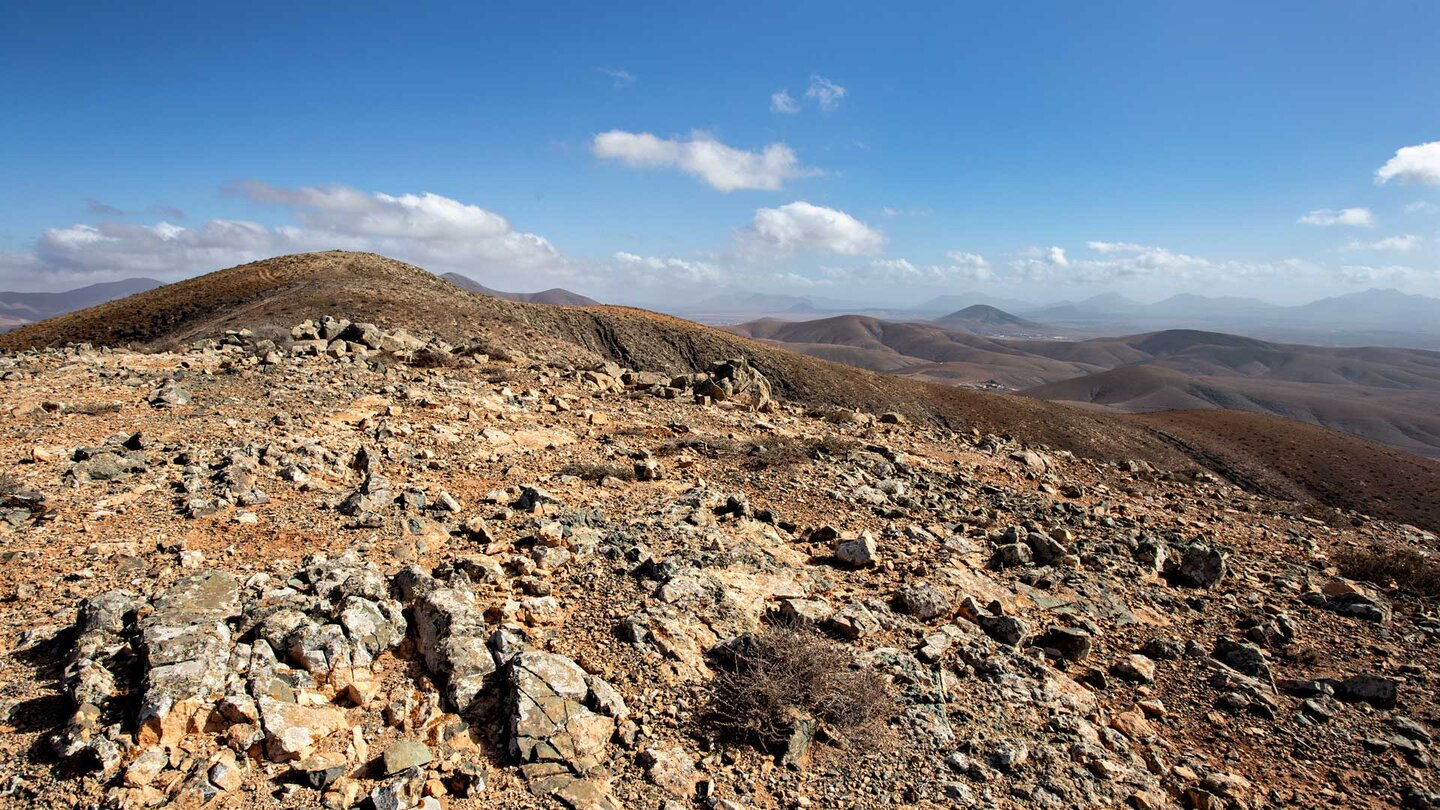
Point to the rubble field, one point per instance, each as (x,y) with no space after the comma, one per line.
(345,566)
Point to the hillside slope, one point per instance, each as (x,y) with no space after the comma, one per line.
(554,295)
(28,307)
(367,287)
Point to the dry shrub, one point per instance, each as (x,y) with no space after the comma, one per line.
(835,415)
(434,358)
(484,346)
(708,446)
(787,450)
(1411,569)
(764,680)
(275,333)
(598,472)
(93,408)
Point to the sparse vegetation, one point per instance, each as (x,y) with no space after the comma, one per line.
(779,451)
(434,358)
(766,680)
(1410,569)
(708,446)
(93,408)
(275,333)
(598,472)
(794,450)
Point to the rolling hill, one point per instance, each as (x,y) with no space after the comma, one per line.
(1383,394)
(21,307)
(983,319)
(554,295)
(368,287)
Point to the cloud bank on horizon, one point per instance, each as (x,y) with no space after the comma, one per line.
(444,234)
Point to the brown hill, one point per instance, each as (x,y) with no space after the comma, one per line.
(367,287)
(983,319)
(1383,394)
(555,295)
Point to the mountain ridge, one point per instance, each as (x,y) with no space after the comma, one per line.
(368,287)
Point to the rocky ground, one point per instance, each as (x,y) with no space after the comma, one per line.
(351,567)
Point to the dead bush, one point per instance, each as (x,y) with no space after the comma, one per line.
(787,450)
(708,446)
(764,682)
(1385,564)
(93,408)
(598,472)
(484,346)
(275,333)
(434,358)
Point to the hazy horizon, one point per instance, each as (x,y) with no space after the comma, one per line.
(1051,155)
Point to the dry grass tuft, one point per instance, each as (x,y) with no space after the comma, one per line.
(434,358)
(93,408)
(598,472)
(1410,569)
(765,680)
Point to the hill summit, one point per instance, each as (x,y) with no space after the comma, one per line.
(331,563)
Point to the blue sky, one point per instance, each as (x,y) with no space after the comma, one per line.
(1045,150)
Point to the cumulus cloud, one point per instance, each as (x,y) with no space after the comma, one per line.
(1122,261)
(1370,275)
(826,93)
(425,228)
(801,226)
(723,167)
(1403,242)
(782,102)
(962,267)
(435,232)
(652,270)
(1345,216)
(1413,164)
(1422,207)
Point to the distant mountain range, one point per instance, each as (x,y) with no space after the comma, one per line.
(1388,395)
(555,295)
(1386,390)
(18,308)
(983,319)
(1370,318)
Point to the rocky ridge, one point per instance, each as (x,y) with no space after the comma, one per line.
(350,566)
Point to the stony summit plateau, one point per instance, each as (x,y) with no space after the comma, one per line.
(328,531)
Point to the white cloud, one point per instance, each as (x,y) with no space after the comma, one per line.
(619,76)
(1413,164)
(1344,216)
(800,226)
(1404,242)
(1422,207)
(1364,274)
(723,167)
(1122,261)
(963,259)
(825,92)
(1116,247)
(425,228)
(435,232)
(782,102)
(962,267)
(652,270)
